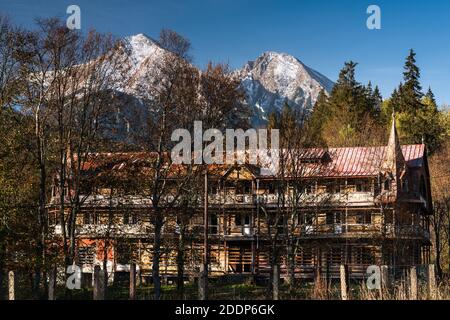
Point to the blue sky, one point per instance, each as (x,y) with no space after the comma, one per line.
(323,34)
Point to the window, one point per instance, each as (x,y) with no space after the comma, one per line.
(363,218)
(237,219)
(362,185)
(337,217)
(423,189)
(280,225)
(213,224)
(330,218)
(126,218)
(309,189)
(86,255)
(244,188)
(90,218)
(321,189)
(388,217)
(387,185)
(271,188)
(405,187)
(331,188)
(129,218)
(213,188)
(333,218)
(306,218)
(124,252)
(242,219)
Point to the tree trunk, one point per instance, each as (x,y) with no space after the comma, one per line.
(274,272)
(275,282)
(438,255)
(156,256)
(180,261)
(290,266)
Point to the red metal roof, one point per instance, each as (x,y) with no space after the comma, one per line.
(339,162)
(361,161)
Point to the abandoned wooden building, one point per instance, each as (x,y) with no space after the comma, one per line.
(357,206)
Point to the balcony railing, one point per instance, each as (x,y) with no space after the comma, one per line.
(105,230)
(407,231)
(354,198)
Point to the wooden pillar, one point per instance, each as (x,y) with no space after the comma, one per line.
(99,283)
(133,281)
(253,257)
(432,292)
(344,282)
(318,270)
(11,285)
(202,287)
(413,283)
(52,284)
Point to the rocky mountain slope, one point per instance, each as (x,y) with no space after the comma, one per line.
(269,81)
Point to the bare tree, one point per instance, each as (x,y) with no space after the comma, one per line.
(175,43)
(69,80)
(440,220)
(9,80)
(168,91)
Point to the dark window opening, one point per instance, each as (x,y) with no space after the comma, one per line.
(389,217)
(130,218)
(405,187)
(237,220)
(362,185)
(330,218)
(364,218)
(213,224)
(387,185)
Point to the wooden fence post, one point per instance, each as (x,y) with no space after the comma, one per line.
(99,283)
(52,284)
(11,285)
(385,281)
(413,283)
(202,283)
(344,282)
(276,282)
(432,292)
(133,281)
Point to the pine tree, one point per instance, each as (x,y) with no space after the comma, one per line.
(430,95)
(320,115)
(411,91)
(431,128)
(377,100)
(418,116)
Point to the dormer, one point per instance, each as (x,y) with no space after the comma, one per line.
(314,155)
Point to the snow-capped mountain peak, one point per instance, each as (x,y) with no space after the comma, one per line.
(275,78)
(141,48)
(269,81)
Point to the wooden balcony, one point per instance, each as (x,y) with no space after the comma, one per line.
(101,230)
(271,199)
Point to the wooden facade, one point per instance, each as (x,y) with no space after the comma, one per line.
(361,207)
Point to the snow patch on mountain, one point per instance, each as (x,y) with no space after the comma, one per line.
(268,82)
(277,78)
